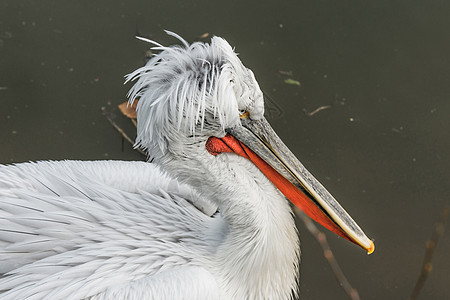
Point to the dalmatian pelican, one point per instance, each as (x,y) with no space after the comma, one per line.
(207,219)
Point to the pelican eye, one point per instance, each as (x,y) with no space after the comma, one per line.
(244,114)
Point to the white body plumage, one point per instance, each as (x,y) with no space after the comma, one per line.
(125,230)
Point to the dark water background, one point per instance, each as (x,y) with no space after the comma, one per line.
(382,146)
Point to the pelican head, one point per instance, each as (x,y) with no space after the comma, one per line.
(198,101)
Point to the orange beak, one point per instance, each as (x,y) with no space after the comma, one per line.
(289,176)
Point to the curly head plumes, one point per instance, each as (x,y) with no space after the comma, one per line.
(189,89)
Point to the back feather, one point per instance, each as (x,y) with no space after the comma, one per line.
(76,224)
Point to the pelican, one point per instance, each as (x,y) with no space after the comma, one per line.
(207,219)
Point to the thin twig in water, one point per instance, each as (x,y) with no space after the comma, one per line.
(124,135)
(329,256)
(430,247)
(318,109)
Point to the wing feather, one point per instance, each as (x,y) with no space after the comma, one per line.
(90,229)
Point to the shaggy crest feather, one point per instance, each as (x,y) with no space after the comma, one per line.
(204,80)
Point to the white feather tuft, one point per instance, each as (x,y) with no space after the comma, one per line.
(180,87)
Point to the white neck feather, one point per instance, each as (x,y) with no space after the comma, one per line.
(259,255)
